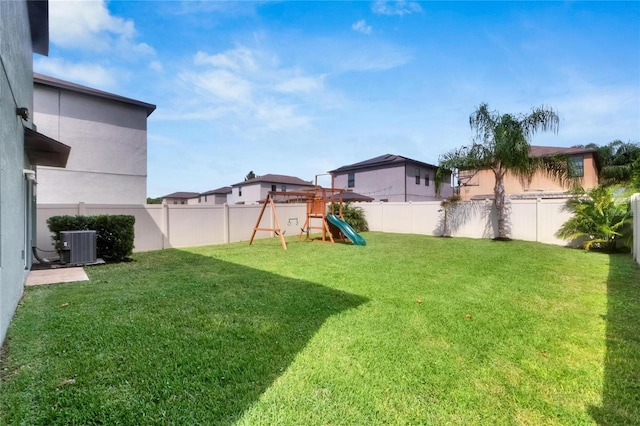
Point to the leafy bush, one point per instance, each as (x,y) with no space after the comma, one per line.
(599,219)
(635,176)
(353,215)
(114,233)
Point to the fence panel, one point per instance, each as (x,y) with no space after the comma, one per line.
(242,219)
(148,226)
(530,220)
(191,226)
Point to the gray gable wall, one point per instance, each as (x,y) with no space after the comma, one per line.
(16,87)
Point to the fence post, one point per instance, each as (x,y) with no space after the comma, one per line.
(225,223)
(410,217)
(538,201)
(165,226)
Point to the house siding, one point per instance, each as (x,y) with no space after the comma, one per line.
(393,184)
(483,182)
(16,91)
(108,160)
(254,193)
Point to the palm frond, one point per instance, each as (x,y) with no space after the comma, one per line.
(540,118)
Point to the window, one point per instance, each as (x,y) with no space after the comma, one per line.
(175,201)
(239,191)
(199,199)
(351,180)
(417,176)
(283,188)
(576,166)
(273,187)
(426,179)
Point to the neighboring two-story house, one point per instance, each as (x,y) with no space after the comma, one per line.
(24,31)
(255,190)
(392,178)
(183,198)
(584,165)
(216,196)
(108,137)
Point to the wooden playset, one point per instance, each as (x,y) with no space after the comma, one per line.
(318,218)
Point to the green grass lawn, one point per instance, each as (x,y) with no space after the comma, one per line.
(406,330)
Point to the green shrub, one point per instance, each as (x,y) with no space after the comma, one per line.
(599,218)
(114,233)
(635,176)
(353,215)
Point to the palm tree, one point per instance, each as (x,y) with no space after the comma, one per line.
(501,144)
(599,218)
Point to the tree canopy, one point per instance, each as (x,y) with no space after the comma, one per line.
(617,159)
(501,144)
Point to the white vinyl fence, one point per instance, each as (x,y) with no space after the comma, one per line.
(530,220)
(164,226)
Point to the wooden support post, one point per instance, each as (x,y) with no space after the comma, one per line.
(277,228)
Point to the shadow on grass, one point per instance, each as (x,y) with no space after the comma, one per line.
(172,338)
(621,384)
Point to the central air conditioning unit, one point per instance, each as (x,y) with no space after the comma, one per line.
(78,247)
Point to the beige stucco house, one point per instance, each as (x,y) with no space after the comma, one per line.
(479,184)
(392,178)
(108,137)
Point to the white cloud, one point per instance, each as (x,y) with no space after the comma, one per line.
(275,116)
(400,7)
(89,25)
(361,27)
(240,60)
(379,58)
(248,89)
(90,74)
(301,85)
(223,85)
(156,66)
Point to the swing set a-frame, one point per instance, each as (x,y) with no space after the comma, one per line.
(316,199)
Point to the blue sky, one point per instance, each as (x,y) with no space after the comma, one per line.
(303,87)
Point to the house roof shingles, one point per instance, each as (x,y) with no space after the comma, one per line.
(182,195)
(279,179)
(381,161)
(543,151)
(220,191)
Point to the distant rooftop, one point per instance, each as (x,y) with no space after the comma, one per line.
(278,179)
(220,191)
(542,151)
(386,160)
(182,195)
